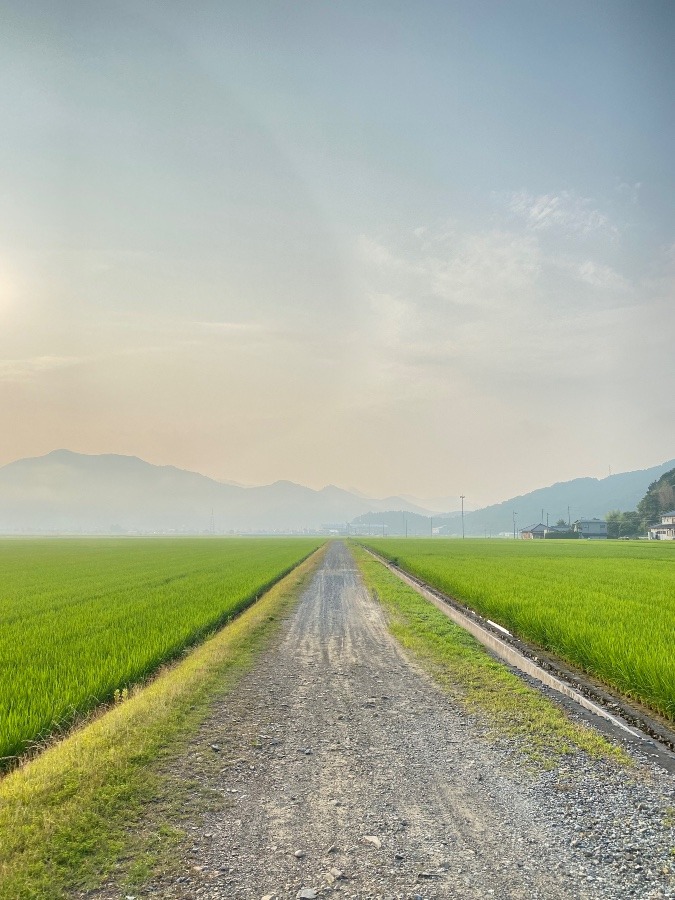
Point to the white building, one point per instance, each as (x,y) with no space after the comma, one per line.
(666,530)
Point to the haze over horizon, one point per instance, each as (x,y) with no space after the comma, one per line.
(422,249)
(438,504)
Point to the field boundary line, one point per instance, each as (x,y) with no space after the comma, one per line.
(471,621)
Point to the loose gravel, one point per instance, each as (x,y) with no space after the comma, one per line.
(338,767)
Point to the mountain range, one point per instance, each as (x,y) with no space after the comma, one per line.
(569,500)
(79,493)
(68,492)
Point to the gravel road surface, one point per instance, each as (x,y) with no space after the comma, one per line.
(338,767)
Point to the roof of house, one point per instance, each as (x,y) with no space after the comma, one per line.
(541,527)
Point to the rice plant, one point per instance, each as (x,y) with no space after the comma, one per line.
(83,620)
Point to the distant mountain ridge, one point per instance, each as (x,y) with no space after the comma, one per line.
(68,492)
(73,492)
(579,498)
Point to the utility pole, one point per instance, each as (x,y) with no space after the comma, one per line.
(461,497)
(514,524)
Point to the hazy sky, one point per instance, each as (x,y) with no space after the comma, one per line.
(418,247)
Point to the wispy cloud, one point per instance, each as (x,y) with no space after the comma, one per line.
(630,191)
(34,366)
(464,269)
(566,211)
(229,328)
(601,276)
(489,308)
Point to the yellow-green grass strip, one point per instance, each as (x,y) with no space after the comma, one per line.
(476,681)
(607,607)
(67,816)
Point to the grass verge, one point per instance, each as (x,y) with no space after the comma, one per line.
(475,679)
(68,816)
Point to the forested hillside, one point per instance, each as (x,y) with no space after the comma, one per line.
(660,498)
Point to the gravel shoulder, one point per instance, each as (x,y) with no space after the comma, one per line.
(338,767)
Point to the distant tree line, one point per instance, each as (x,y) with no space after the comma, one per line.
(660,498)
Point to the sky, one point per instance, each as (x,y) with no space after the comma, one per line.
(423,248)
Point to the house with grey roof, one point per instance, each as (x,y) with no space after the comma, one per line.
(591,529)
(541,531)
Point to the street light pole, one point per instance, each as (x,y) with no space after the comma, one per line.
(461,497)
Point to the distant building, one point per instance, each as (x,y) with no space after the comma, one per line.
(591,529)
(338,528)
(368,529)
(666,530)
(541,531)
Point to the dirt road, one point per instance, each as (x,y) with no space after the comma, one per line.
(338,767)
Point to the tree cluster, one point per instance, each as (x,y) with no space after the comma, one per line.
(660,498)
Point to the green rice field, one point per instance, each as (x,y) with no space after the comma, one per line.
(606,607)
(81,619)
